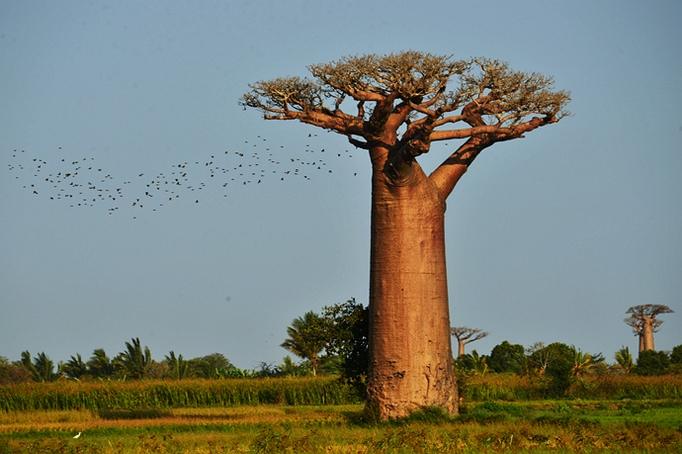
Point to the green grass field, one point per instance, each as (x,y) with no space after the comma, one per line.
(530,426)
(500,413)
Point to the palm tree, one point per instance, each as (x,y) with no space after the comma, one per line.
(179,368)
(75,367)
(28,365)
(624,359)
(583,363)
(134,360)
(99,365)
(307,338)
(41,368)
(480,363)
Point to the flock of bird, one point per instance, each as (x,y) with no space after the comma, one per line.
(80,182)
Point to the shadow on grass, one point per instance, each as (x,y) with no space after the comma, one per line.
(426,415)
(133,413)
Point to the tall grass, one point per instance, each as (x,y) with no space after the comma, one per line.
(68,395)
(503,387)
(175,394)
(628,387)
(512,387)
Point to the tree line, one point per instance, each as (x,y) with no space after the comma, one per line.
(136,363)
(340,333)
(335,342)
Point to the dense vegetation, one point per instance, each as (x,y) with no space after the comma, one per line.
(161,395)
(158,395)
(333,344)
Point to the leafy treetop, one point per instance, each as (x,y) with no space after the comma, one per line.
(413,89)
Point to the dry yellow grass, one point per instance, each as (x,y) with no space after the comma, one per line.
(82,421)
(554,427)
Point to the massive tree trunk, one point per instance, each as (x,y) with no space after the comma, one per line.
(641,342)
(647,334)
(411,364)
(460,351)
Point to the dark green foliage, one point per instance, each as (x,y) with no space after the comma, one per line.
(472,362)
(676,355)
(307,338)
(75,367)
(428,415)
(41,368)
(347,337)
(215,365)
(493,412)
(100,366)
(651,362)
(559,370)
(465,362)
(132,413)
(134,361)
(507,357)
(178,368)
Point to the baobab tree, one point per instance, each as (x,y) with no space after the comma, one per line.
(395,106)
(644,323)
(466,335)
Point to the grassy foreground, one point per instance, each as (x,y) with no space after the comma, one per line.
(531,426)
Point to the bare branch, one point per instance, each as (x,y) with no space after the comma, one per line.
(648,310)
(466,334)
(409,90)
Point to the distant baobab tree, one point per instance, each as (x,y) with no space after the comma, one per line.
(394,107)
(644,323)
(466,335)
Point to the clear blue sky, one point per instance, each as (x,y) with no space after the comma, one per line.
(550,238)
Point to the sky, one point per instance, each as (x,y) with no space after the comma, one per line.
(242,224)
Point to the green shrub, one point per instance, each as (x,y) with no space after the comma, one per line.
(651,362)
(507,357)
(493,412)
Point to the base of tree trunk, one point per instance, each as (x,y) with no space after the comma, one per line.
(387,402)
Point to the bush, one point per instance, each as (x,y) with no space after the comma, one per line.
(651,362)
(676,355)
(493,412)
(10,373)
(559,369)
(507,357)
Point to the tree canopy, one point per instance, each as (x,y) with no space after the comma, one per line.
(431,97)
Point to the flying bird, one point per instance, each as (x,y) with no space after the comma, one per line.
(67,178)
